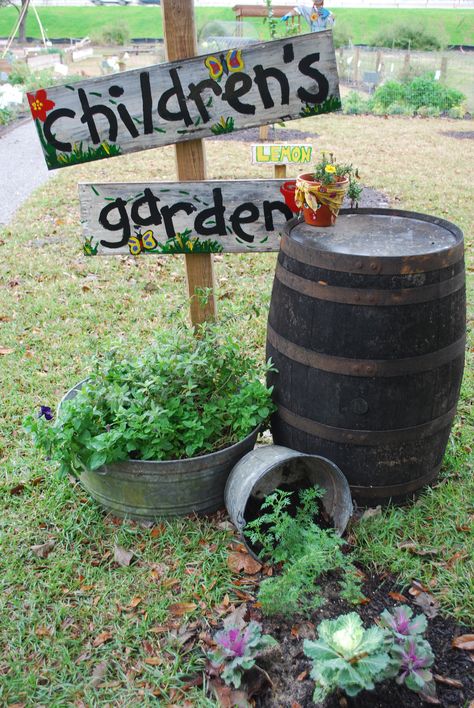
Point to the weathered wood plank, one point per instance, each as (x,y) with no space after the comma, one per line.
(240,216)
(187,99)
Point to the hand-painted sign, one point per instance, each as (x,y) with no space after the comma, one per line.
(188,99)
(281,154)
(183,217)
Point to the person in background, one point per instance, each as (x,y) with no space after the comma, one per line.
(316,15)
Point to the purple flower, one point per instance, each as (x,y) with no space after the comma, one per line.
(46,412)
(233,641)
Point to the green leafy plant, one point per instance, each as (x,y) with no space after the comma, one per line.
(347,656)
(237,650)
(327,171)
(305,551)
(181,397)
(352,658)
(224,125)
(408,36)
(417,95)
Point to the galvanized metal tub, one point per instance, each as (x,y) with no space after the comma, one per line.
(269,467)
(147,489)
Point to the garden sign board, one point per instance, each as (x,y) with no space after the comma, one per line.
(183,217)
(187,99)
(272,154)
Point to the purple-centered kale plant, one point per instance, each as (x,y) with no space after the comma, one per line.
(237,650)
(415,657)
(401,623)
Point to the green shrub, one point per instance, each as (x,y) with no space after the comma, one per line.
(425,91)
(388,93)
(6,116)
(407,36)
(342,35)
(116,34)
(355,104)
(398,108)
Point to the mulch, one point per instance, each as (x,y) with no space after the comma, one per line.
(289,669)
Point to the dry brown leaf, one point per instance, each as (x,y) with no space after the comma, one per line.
(465,641)
(153,660)
(370,513)
(157,530)
(43,550)
(238,561)
(428,604)
(102,638)
(6,350)
(43,631)
(98,674)
(135,602)
(182,608)
(398,597)
(302,676)
(122,556)
(236,618)
(228,697)
(454,683)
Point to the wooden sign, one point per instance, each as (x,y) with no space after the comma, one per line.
(273,154)
(240,216)
(187,99)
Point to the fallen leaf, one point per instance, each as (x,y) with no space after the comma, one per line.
(398,597)
(465,641)
(370,513)
(135,602)
(430,699)
(43,550)
(6,350)
(226,526)
(122,556)
(153,660)
(238,561)
(236,618)
(43,631)
(98,674)
(428,604)
(228,697)
(182,608)
(302,676)
(295,704)
(414,548)
(416,588)
(447,681)
(102,638)
(157,530)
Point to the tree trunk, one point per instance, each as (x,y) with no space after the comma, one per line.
(22,27)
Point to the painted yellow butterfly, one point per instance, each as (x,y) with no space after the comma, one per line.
(217,66)
(142,242)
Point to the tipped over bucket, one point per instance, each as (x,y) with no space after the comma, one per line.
(269,467)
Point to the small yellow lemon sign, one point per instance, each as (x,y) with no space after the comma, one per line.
(281,154)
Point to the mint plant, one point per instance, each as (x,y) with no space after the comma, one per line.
(305,551)
(182,396)
(237,650)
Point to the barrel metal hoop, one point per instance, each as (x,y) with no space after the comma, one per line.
(367,438)
(395,490)
(357,296)
(365,367)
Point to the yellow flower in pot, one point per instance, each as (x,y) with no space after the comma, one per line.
(320,193)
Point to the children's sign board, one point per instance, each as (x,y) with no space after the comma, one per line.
(239,216)
(188,99)
(273,154)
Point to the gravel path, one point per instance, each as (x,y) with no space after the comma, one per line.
(22,167)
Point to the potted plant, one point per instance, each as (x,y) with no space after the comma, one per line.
(157,433)
(320,194)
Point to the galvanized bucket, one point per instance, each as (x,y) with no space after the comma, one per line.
(145,489)
(269,467)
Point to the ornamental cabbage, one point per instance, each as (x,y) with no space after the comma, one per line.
(401,624)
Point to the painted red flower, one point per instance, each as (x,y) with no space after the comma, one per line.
(40,104)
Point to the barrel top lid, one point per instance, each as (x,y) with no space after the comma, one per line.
(379,233)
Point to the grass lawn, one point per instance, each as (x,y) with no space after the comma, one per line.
(453,27)
(77,618)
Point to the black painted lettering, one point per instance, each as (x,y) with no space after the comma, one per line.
(216,213)
(233,92)
(307,69)
(239,217)
(151,201)
(288,53)
(177,91)
(147,102)
(116,91)
(270,207)
(167,212)
(120,207)
(195,91)
(261,79)
(88,117)
(51,119)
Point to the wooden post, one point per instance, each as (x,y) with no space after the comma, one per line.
(444,68)
(263,132)
(279,171)
(356,64)
(180,43)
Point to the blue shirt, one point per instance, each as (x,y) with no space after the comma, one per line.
(318,19)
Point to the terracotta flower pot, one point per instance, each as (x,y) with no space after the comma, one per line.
(288,191)
(321,202)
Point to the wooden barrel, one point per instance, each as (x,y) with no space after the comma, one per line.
(367,331)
